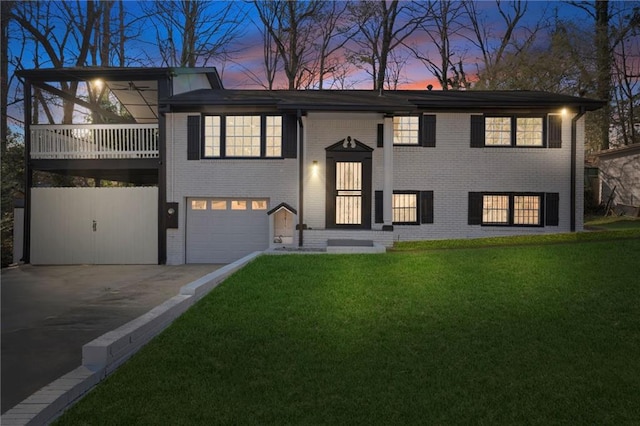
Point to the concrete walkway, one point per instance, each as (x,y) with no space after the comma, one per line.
(50,312)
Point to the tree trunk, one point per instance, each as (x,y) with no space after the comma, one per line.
(603,67)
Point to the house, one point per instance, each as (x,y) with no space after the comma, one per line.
(217,173)
(619,177)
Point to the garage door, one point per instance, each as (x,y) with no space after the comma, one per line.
(94,226)
(224,230)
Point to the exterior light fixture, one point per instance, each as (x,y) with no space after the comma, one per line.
(314,167)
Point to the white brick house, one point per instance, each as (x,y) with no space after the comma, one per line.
(246,170)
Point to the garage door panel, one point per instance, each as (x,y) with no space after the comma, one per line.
(223,236)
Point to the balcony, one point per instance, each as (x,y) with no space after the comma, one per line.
(94,141)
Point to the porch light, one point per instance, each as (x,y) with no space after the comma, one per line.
(98,83)
(564,111)
(314,168)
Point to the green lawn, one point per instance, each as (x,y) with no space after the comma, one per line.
(538,334)
(613,222)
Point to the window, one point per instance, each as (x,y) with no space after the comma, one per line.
(526,210)
(212,136)
(508,131)
(405,207)
(510,209)
(529,131)
(495,209)
(497,131)
(238,205)
(218,205)
(198,204)
(274,136)
(243,136)
(258,205)
(406,130)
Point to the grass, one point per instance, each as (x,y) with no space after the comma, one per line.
(538,334)
(613,222)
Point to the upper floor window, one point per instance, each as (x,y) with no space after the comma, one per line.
(406,130)
(514,131)
(243,136)
(510,131)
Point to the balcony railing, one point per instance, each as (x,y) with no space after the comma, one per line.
(94,141)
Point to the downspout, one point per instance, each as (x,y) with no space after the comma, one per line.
(300,181)
(574,149)
(28,179)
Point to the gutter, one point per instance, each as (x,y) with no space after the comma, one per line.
(574,143)
(300,180)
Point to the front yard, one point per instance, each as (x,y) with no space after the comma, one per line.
(538,334)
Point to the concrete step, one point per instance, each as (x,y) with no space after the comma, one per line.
(354,246)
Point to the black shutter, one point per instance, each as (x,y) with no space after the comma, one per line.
(477,131)
(380,135)
(555,131)
(475,208)
(289,136)
(552,208)
(428,131)
(379,207)
(193,137)
(426,206)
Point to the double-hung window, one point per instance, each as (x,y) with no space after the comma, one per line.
(406,130)
(405,208)
(242,136)
(514,131)
(508,209)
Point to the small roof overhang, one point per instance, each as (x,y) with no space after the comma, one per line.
(280,207)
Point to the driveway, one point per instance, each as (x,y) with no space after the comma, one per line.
(50,312)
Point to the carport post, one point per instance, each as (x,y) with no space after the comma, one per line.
(28,178)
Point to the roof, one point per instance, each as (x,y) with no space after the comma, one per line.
(135,88)
(633,149)
(388,101)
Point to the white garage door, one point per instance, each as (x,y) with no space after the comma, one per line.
(94,226)
(224,230)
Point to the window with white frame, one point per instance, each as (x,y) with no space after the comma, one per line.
(405,207)
(406,130)
(242,136)
(521,131)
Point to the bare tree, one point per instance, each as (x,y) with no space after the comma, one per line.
(193,32)
(333,33)
(291,26)
(382,27)
(493,48)
(5,11)
(443,22)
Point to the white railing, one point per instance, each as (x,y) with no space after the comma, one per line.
(94,141)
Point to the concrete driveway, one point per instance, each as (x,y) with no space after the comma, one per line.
(50,312)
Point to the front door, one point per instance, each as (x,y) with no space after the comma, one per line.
(349,186)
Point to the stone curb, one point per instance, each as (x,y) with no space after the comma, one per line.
(104,355)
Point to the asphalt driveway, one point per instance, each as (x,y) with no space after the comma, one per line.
(49,312)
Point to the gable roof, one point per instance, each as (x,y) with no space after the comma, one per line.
(389,101)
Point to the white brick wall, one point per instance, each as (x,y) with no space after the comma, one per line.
(275,180)
(452,169)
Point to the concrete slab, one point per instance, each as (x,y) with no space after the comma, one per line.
(49,312)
